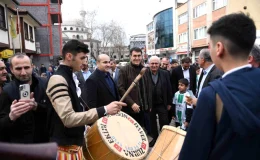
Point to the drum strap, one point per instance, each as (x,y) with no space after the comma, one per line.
(219,108)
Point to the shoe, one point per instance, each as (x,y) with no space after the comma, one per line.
(151,144)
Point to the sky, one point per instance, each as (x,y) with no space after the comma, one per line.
(132,15)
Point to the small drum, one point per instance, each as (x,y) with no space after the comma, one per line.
(168,145)
(116,137)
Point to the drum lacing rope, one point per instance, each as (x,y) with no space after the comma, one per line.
(163,150)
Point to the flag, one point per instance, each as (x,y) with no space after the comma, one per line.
(17,23)
(13,29)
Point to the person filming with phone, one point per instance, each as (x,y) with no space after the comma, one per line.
(23,112)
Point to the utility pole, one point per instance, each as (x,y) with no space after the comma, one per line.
(188,28)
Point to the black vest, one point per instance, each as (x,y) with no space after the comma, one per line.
(59,133)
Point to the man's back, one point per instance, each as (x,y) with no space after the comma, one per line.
(237,135)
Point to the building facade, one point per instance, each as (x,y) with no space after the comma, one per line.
(196,16)
(48,36)
(120,53)
(138,41)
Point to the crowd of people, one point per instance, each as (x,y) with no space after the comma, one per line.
(215,100)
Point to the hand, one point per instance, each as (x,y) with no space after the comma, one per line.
(186,124)
(31,101)
(191,101)
(114,107)
(136,108)
(173,117)
(18,108)
(169,107)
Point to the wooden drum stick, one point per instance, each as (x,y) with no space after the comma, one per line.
(133,84)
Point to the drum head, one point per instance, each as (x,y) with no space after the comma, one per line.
(124,136)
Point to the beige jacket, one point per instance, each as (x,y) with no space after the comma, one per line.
(59,97)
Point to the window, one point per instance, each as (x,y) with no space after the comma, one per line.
(199,10)
(2,17)
(77,36)
(183,18)
(26,34)
(183,37)
(71,28)
(65,28)
(82,29)
(73,36)
(77,29)
(81,37)
(219,3)
(31,32)
(200,33)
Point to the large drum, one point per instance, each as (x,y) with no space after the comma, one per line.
(116,137)
(168,145)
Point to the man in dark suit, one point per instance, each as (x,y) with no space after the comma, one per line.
(159,97)
(83,74)
(209,73)
(114,71)
(254,56)
(184,71)
(100,89)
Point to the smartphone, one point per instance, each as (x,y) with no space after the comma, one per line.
(24,91)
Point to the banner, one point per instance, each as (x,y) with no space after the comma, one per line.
(13,29)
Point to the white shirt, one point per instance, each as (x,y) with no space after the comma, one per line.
(236,69)
(207,70)
(186,75)
(113,74)
(75,79)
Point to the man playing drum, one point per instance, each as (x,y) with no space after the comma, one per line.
(67,119)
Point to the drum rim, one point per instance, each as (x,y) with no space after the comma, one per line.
(174,129)
(110,146)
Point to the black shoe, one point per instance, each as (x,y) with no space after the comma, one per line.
(151,144)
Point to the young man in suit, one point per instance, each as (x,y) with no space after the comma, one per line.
(114,71)
(3,75)
(185,70)
(100,89)
(226,122)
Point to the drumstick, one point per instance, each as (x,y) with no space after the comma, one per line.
(133,84)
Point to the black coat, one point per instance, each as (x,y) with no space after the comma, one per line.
(177,74)
(164,77)
(213,74)
(31,127)
(97,93)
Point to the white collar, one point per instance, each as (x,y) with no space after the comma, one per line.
(236,69)
(209,68)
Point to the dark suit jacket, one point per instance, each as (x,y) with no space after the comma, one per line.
(177,74)
(97,92)
(213,74)
(164,77)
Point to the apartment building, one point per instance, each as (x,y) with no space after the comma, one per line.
(195,17)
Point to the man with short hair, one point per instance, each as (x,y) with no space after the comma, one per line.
(164,63)
(209,72)
(114,70)
(49,73)
(136,100)
(23,120)
(43,69)
(159,95)
(226,122)
(84,74)
(3,75)
(185,70)
(67,118)
(254,56)
(100,89)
